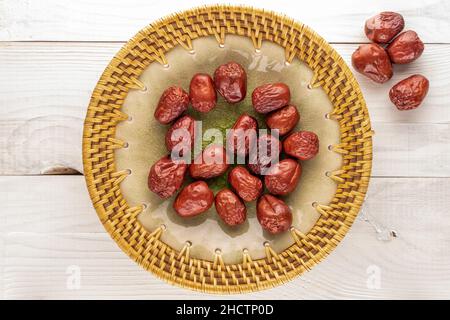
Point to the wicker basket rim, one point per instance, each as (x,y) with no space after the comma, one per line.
(93,108)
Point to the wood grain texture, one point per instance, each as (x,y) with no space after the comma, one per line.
(106,20)
(48,224)
(40,245)
(45,88)
(45,96)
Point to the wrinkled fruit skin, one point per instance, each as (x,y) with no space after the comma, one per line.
(166,177)
(303,145)
(283,177)
(383,27)
(173,102)
(273,214)
(372,61)
(409,93)
(406,48)
(194,199)
(246,185)
(231,82)
(259,164)
(210,163)
(244,123)
(230,208)
(185,122)
(284,119)
(202,93)
(270,97)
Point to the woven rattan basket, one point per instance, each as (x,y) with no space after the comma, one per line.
(151,45)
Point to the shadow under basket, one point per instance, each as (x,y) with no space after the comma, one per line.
(121,140)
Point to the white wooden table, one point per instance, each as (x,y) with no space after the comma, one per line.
(51,242)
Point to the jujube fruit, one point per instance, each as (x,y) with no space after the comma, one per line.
(409,93)
(270,97)
(202,93)
(173,102)
(166,176)
(372,61)
(283,177)
(230,208)
(273,214)
(246,185)
(230,80)
(193,200)
(303,145)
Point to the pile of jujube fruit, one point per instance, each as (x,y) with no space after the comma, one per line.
(246,182)
(374,60)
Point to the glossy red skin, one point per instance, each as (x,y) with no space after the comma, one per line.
(406,48)
(303,145)
(230,80)
(206,165)
(230,208)
(202,93)
(283,177)
(409,93)
(260,165)
(372,61)
(173,102)
(270,97)
(244,122)
(273,214)
(383,27)
(166,177)
(193,200)
(284,119)
(185,122)
(246,185)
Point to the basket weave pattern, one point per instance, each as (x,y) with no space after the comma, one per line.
(145,247)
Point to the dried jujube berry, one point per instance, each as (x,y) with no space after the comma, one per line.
(194,199)
(303,145)
(270,97)
(372,61)
(166,176)
(186,137)
(210,163)
(384,26)
(230,80)
(243,134)
(230,208)
(246,185)
(173,102)
(267,152)
(283,177)
(284,119)
(409,93)
(202,93)
(406,48)
(273,214)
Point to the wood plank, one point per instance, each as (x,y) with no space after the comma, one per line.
(411,150)
(47,204)
(46,87)
(38,258)
(103,20)
(45,95)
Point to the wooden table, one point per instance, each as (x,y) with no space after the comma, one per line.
(51,242)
